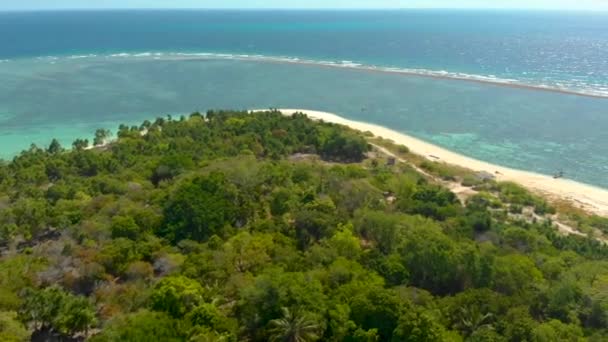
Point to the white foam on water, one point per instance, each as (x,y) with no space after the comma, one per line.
(82,56)
(574,86)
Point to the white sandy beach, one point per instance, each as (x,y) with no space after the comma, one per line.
(590,198)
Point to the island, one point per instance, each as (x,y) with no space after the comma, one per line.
(292,225)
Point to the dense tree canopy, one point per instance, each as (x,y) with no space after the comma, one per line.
(238,227)
(201,208)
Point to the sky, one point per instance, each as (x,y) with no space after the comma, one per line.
(95,4)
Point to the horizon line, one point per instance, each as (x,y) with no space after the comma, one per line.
(533,9)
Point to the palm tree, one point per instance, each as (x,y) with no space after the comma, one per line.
(472,320)
(293,328)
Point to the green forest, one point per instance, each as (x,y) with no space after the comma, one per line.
(231,226)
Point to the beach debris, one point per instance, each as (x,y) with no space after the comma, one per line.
(560,174)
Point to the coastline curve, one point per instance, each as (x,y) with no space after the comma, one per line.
(590,198)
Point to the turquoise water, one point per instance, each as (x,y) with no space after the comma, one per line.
(66,74)
(533,130)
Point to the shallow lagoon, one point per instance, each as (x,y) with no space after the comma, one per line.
(540,131)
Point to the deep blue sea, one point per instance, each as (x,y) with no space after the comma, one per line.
(522,89)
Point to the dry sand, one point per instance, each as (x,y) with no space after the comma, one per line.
(590,198)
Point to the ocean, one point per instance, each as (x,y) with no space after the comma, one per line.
(527,90)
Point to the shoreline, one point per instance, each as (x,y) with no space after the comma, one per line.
(588,197)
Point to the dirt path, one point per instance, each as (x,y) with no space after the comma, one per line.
(463,193)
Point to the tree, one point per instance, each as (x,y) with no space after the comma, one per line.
(41,307)
(171,166)
(515,274)
(344,146)
(55,147)
(245,252)
(116,256)
(209,316)
(293,328)
(124,131)
(274,289)
(435,262)
(314,221)
(345,243)
(480,221)
(564,301)
(80,144)
(101,136)
(417,326)
(176,295)
(200,208)
(486,335)
(88,164)
(30,214)
(373,307)
(555,330)
(474,320)
(11,330)
(76,314)
(125,227)
(142,326)
(385,229)
(520,239)
(431,201)
(280,202)
(518,325)
(53,308)
(145,125)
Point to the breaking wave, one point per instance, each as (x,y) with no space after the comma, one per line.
(576,87)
